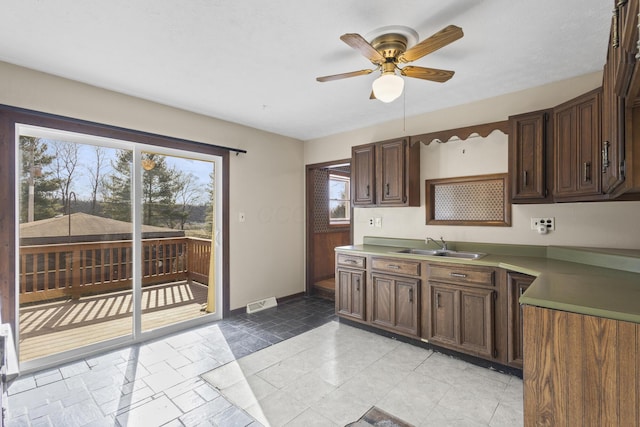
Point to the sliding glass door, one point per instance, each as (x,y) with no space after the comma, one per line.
(75,249)
(178,193)
(116,240)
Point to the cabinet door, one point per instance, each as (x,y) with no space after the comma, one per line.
(565,154)
(357,294)
(528,142)
(588,144)
(392,166)
(613,126)
(395,303)
(444,314)
(624,44)
(363,171)
(350,293)
(382,301)
(406,306)
(476,321)
(517,284)
(577,153)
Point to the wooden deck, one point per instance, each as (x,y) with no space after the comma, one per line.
(55,327)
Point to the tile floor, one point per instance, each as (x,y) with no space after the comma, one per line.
(293,365)
(332,375)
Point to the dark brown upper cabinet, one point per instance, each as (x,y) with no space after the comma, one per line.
(576,140)
(530,157)
(386,173)
(620,84)
(616,81)
(363,175)
(613,123)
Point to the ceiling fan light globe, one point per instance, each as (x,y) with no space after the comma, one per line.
(388,87)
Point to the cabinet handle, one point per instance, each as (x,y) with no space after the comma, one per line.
(458,275)
(587,172)
(525,178)
(605,156)
(521,291)
(367,190)
(357,284)
(410,295)
(437,299)
(393,266)
(351,261)
(387,188)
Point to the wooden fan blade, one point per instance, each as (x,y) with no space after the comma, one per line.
(433,74)
(358,42)
(343,75)
(440,39)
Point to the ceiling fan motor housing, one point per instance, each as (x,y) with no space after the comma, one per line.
(390,45)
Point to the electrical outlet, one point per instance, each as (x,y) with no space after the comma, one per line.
(549,222)
(370,222)
(378,222)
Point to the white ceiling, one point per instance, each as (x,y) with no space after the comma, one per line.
(254,62)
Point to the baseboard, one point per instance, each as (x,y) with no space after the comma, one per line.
(290,297)
(237,311)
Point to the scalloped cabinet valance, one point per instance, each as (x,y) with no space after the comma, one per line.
(442,136)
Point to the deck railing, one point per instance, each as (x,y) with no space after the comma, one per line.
(75,269)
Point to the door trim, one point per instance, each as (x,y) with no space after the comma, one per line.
(309,218)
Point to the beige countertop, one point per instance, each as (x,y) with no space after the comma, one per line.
(592,281)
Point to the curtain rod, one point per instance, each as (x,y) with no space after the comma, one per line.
(113,128)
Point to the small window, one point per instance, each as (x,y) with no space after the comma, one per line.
(339,200)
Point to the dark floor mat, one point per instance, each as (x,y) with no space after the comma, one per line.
(378,418)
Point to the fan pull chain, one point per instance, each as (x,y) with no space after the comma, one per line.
(404,111)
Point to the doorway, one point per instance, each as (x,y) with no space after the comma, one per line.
(329,222)
(116,240)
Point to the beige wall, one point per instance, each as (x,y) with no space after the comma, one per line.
(609,224)
(267,253)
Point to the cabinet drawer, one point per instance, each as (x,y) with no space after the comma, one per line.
(397,266)
(351,260)
(462,274)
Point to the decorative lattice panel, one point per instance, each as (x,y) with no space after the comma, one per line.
(479,200)
(320,200)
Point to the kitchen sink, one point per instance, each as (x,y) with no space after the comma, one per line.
(443,253)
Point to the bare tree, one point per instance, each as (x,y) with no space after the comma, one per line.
(96,172)
(64,167)
(188,193)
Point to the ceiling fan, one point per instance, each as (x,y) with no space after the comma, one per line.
(388,48)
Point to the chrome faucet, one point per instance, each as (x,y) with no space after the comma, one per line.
(442,245)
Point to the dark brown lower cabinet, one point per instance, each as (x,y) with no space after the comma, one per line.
(350,293)
(456,306)
(517,284)
(462,318)
(580,370)
(395,303)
